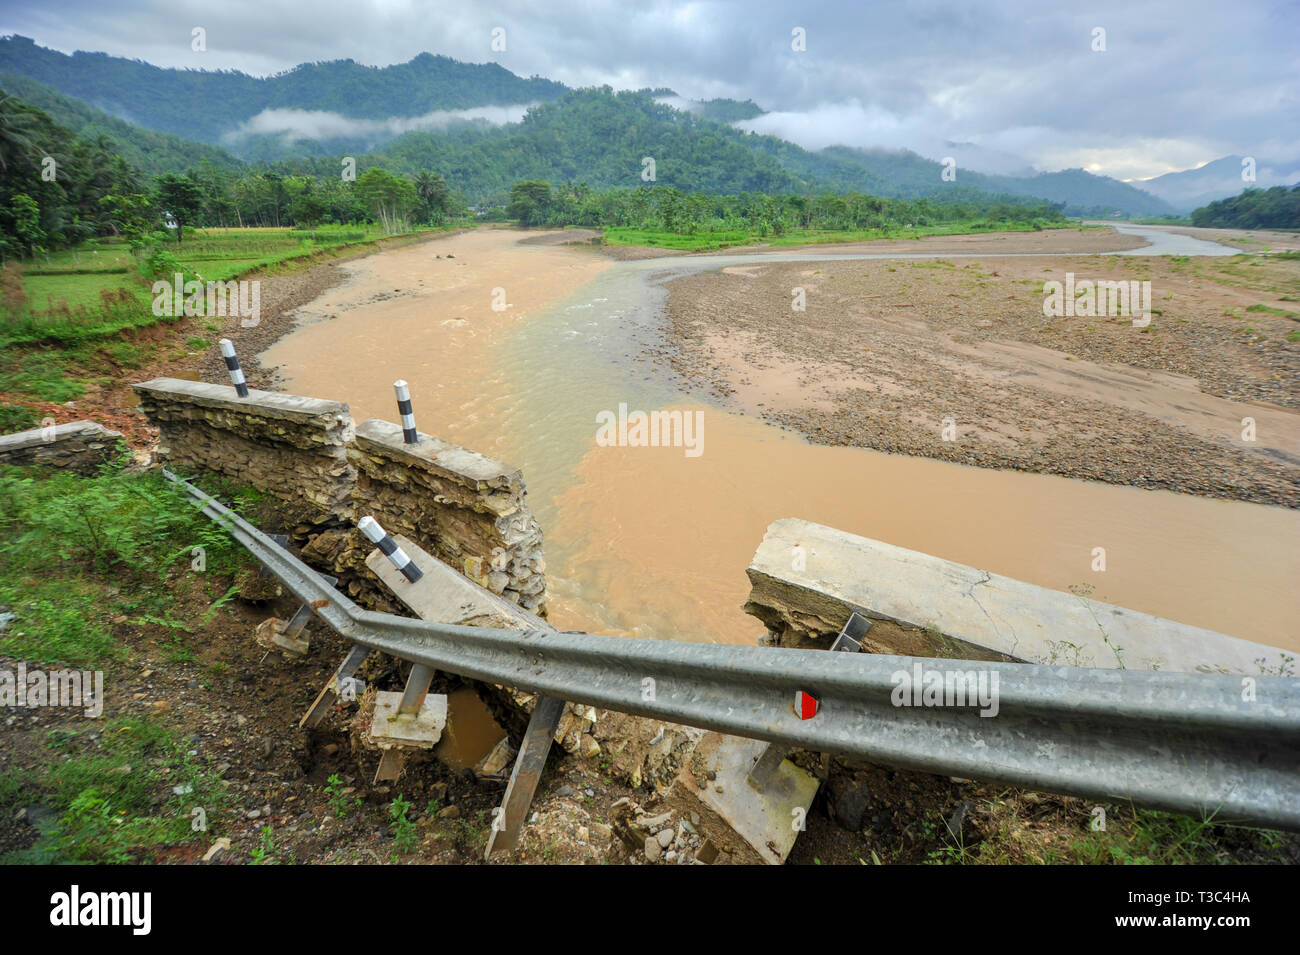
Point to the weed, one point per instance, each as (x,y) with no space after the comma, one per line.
(341,802)
(402,826)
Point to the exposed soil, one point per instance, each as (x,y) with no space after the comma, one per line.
(885,351)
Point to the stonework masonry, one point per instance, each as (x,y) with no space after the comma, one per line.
(290,447)
(467,509)
(80,446)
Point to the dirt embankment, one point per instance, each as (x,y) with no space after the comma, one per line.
(884,352)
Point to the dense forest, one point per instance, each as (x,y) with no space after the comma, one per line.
(59,188)
(593,135)
(54,185)
(207,105)
(538,203)
(1275,208)
(151,152)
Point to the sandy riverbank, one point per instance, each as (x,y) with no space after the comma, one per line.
(885,351)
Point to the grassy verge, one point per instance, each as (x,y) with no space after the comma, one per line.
(76,553)
(710,241)
(68,302)
(1021,830)
(100,795)
(1161,220)
(82,560)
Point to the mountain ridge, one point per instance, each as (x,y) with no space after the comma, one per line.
(696,146)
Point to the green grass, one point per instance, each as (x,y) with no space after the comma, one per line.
(65,291)
(76,551)
(114,796)
(46,291)
(1131,837)
(84,299)
(40,373)
(18,417)
(1270,310)
(710,241)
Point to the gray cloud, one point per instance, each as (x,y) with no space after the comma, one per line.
(1181,82)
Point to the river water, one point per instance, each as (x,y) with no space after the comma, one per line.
(654,542)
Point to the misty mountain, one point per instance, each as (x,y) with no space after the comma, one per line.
(209,106)
(1192,188)
(149,151)
(484,128)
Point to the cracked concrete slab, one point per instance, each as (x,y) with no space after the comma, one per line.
(978,613)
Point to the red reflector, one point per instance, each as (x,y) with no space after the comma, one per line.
(805,705)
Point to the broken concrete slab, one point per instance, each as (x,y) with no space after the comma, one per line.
(391,728)
(749,826)
(807,578)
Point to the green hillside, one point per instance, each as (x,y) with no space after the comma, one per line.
(593,136)
(206,106)
(150,152)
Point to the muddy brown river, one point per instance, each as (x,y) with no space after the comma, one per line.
(654,541)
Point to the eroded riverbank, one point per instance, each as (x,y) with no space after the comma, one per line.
(653,542)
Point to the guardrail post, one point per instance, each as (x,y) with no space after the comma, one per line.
(333,690)
(232,366)
(409,434)
(849,640)
(508,819)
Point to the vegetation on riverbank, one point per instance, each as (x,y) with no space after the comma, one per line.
(1275,208)
(711,241)
(82,315)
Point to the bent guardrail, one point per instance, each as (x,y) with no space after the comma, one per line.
(1226,747)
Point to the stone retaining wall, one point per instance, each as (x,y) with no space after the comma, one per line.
(81,446)
(290,447)
(468,510)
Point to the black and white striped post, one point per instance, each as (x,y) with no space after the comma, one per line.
(409,434)
(379,537)
(232,365)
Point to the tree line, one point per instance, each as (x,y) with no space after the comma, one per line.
(1275,208)
(538,203)
(57,189)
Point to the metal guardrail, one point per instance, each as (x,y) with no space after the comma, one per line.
(1213,746)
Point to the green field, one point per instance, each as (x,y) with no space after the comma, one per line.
(710,241)
(65,291)
(80,302)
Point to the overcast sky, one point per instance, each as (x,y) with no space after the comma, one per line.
(1180,82)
